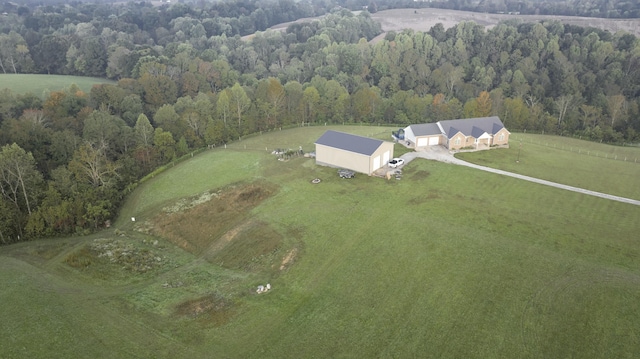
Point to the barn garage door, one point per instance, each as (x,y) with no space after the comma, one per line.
(385,158)
(422,142)
(376,163)
(433,141)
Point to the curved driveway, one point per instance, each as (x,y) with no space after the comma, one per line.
(439,153)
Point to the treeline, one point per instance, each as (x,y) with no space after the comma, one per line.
(67,160)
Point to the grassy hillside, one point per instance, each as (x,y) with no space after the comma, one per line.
(40,85)
(447,262)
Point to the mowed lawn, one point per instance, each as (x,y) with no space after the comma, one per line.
(448,262)
(41,85)
(602,168)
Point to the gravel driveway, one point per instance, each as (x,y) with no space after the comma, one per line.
(439,153)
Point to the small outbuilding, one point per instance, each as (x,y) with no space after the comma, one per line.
(357,153)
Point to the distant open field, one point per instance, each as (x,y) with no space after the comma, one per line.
(447,262)
(425,19)
(40,85)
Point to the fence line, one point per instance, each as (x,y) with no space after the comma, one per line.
(580,151)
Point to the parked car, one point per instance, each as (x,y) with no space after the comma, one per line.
(396,162)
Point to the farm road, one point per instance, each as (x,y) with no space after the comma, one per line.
(441,154)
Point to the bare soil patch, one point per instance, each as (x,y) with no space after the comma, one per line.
(198,222)
(420,175)
(289,258)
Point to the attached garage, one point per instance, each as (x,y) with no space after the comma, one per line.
(357,153)
(423,135)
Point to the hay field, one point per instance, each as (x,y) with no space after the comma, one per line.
(41,85)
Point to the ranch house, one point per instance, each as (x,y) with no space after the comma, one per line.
(477,133)
(356,153)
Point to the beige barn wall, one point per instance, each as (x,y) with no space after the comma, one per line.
(386,146)
(334,157)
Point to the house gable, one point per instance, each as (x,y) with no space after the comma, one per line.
(457,141)
(501,137)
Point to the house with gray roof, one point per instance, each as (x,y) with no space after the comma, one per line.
(477,133)
(357,153)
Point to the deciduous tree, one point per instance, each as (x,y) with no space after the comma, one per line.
(19,179)
(91,165)
(240,102)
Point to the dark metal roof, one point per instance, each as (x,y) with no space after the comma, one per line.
(472,126)
(425,129)
(352,143)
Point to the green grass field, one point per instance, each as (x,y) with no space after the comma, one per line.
(608,169)
(41,85)
(448,262)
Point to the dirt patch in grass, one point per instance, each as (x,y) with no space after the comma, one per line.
(211,309)
(420,175)
(289,258)
(198,222)
(422,199)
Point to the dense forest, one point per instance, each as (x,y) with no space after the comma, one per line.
(186,79)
